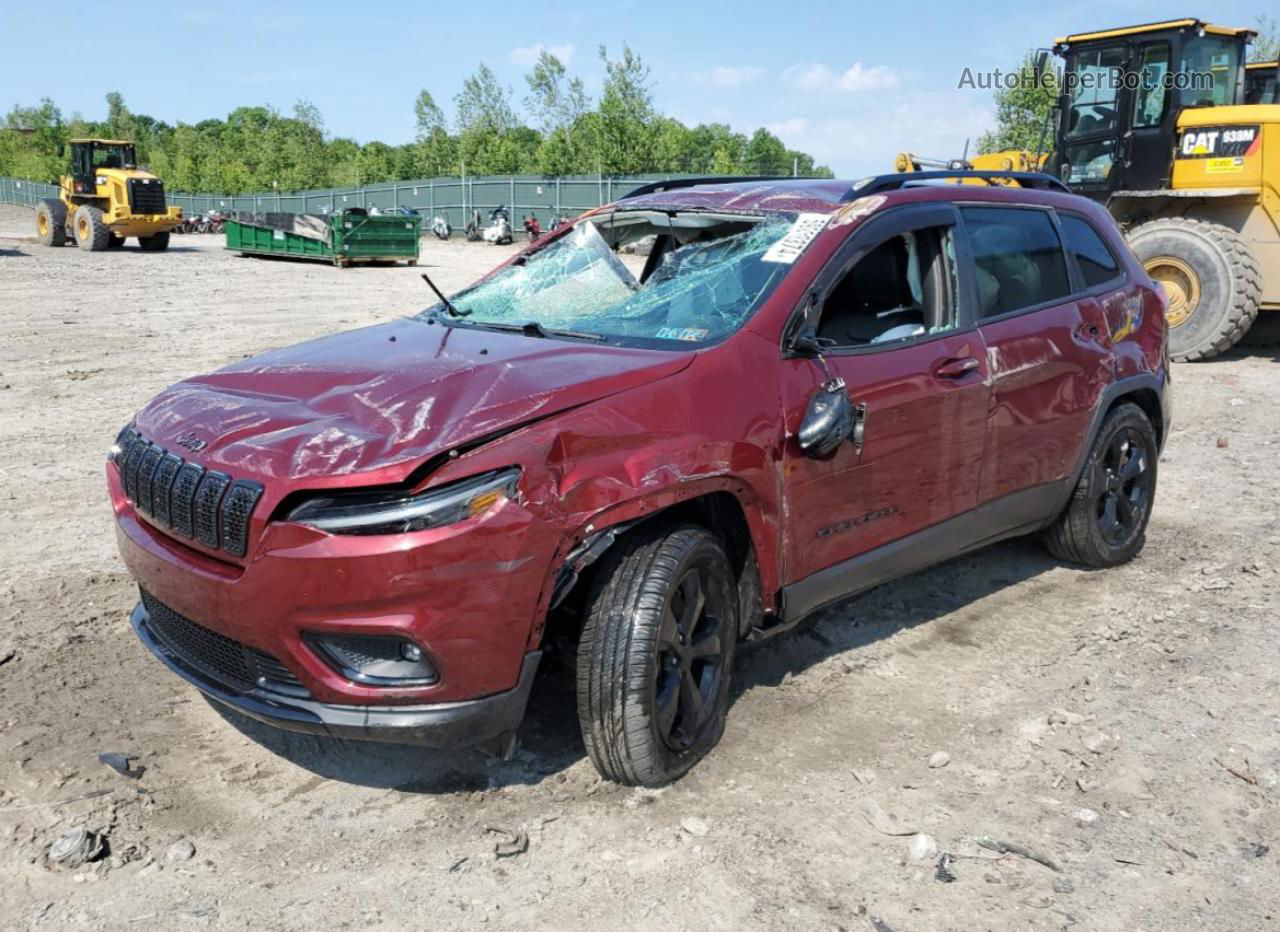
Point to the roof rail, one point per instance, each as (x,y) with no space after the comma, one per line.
(878,183)
(674,184)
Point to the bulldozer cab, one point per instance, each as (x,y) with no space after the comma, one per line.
(90,156)
(1122,90)
(1262,82)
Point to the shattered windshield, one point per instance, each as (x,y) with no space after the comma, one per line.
(691,278)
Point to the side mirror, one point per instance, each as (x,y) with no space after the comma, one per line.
(1042,61)
(828,421)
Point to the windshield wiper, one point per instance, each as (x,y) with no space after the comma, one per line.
(453,311)
(532,328)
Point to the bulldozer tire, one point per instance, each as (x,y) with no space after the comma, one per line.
(51,222)
(116,242)
(1211,278)
(91,233)
(156,242)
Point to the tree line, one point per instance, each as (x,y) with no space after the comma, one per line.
(559,130)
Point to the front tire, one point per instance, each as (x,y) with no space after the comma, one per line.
(1105,523)
(51,222)
(1211,278)
(92,233)
(156,242)
(656,655)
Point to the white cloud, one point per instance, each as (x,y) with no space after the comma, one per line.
(785,129)
(729,75)
(528,55)
(865,137)
(857,77)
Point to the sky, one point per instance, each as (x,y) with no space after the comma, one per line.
(850,83)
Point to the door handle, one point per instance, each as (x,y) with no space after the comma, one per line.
(1089,331)
(956,368)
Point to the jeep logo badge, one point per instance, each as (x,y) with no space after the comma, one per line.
(191,442)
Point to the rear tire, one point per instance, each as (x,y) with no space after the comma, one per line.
(116,242)
(156,242)
(92,233)
(1211,278)
(51,222)
(1105,523)
(656,655)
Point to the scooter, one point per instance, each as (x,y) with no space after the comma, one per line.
(440,227)
(532,227)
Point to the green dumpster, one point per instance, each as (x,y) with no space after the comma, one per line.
(343,238)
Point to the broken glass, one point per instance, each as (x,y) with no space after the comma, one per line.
(696,293)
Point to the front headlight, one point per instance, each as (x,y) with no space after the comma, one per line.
(396,512)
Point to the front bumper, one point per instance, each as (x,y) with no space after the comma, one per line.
(438,725)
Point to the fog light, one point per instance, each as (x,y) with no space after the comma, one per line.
(374,660)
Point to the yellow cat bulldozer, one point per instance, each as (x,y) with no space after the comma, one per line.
(106,199)
(1167,126)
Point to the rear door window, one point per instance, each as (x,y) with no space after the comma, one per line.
(1098,265)
(1018,258)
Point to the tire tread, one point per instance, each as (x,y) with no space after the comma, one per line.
(1246,274)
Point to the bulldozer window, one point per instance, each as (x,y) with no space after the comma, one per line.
(1095,99)
(1149,98)
(1218,56)
(902,289)
(113,156)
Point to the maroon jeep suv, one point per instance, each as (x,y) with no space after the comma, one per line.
(801,389)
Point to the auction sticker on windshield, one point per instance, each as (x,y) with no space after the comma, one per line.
(801,234)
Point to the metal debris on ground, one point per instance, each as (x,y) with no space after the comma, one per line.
(1239,774)
(515,842)
(76,847)
(122,764)
(1008,847)
(943,874)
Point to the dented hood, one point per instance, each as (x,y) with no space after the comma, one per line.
(391,394)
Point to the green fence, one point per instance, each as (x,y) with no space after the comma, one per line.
(452,198)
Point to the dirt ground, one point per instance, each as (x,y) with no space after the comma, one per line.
(1121,725)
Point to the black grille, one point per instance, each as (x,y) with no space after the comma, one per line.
(217,656)
(131,468)
(146,196)
(208,497)
(237,505)
(146,470)
(182,499)
(162,488)
(194,503)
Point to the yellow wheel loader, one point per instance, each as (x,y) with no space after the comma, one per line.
(106,199)
(1167,126)
(1006,160)
(1153,122)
